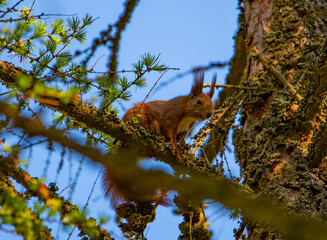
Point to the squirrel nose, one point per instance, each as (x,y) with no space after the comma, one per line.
(209,114)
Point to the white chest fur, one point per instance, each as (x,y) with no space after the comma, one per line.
(184,125)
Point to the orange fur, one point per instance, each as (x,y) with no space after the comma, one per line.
(173,119)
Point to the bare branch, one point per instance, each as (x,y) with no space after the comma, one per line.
(274,71)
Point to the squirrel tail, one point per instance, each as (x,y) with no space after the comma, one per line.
(118,194)
(112,189)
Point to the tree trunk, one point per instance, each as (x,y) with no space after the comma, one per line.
(281,141)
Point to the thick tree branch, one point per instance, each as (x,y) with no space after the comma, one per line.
(203,187)
(144,142)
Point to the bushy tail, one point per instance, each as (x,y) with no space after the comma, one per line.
(112,189)
(119,191)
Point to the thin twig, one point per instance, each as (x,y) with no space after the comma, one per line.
(264,148)
(154,85)
(65,189)
(96,62)
(32,144)
(1,94)
(70,168)
(89,197)
(78,173)
(190,71)
(276,73)
(148,69)
(246,88)
(11,9)
(72,36)
(88,200)
(47,162)
(39,16)
(203,133)
(127,71)
(228,169)
(19,42)
(63,153)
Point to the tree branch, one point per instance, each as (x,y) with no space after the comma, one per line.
(120,26)
(275,72)
(50,198)
(138,138)
(203,187)
(114,39)
(27,222)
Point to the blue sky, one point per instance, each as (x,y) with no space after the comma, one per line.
(186,33)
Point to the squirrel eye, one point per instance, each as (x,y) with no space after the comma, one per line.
(198,101)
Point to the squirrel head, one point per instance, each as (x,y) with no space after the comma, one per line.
(199,105)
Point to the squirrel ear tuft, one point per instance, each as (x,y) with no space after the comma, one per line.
(213,85)
(198,83)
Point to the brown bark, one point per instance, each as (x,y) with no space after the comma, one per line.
(280,144)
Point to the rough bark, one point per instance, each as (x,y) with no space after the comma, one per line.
(281,142)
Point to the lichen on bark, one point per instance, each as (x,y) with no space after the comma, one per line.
(280,142)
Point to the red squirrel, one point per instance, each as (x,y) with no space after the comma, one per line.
(173,119)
